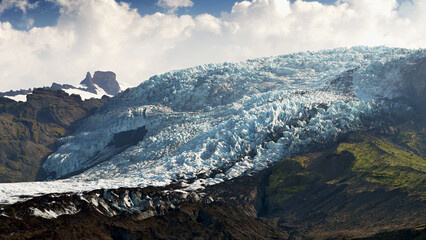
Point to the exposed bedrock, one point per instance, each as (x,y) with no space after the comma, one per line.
(416,87)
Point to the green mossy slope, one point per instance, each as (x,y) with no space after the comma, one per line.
(369,182)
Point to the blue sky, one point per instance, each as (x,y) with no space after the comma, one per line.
(47,41)
(46,13)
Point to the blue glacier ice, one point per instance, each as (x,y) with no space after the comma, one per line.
(227,120)
(239,117)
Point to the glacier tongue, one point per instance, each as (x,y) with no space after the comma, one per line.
(238,117)
(225,120)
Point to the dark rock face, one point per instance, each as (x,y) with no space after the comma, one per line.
(416,87)
(29,130)
(88,82)
(105,80)
(14,93)
(147,213)
(128,138)
(57,86)
(416,234)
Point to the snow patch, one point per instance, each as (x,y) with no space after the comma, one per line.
(18,98)
(124,86)
(50,214)
(87,95)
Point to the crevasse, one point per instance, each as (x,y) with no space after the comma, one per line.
(226,120)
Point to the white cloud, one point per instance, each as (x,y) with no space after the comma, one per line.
(106,35)
(173,5)
(21,4)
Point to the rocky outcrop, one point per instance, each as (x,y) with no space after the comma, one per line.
(14,93)
(105,80)
(148,213)
(416,87)
(88,83)
(29,130)
(57,86)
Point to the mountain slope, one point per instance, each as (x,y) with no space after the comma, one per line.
(219,121)
(320,195)
(241,117)
(318,145)
(369,182)
(29,130)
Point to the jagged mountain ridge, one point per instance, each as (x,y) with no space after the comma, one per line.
(102,83)
(105,80)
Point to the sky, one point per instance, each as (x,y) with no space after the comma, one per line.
(45,41)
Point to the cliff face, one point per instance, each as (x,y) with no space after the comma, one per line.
(105,80)
(417,85)
(29,130)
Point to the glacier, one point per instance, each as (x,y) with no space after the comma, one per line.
(219,121)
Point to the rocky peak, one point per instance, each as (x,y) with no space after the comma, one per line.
(105,80)
(88,82)
(88,76)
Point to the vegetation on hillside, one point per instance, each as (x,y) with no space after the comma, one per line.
(371,180)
